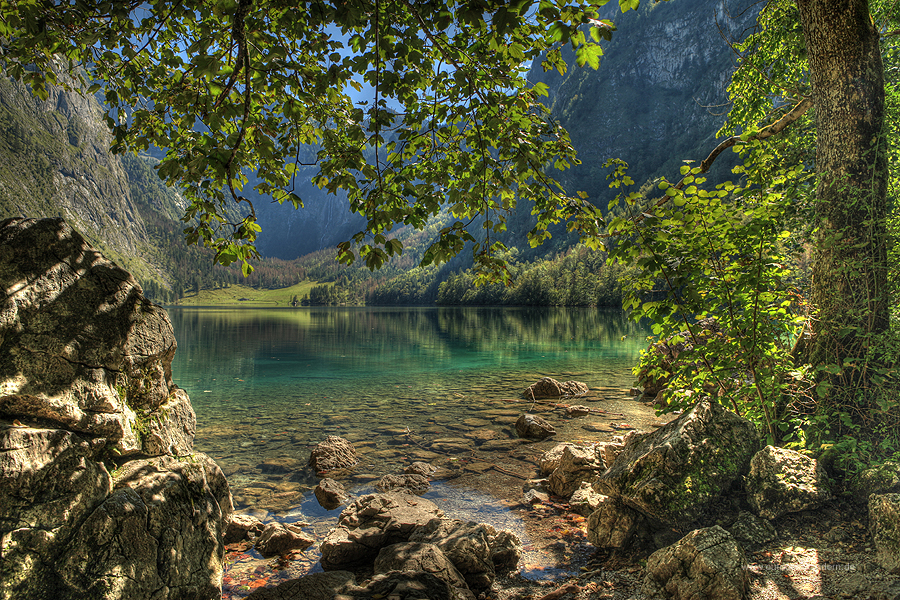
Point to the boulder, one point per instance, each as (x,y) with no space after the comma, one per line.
(371,523)
(410,483)
(420,468)
(81,347)
(330,494)
(547,387)
(678,474)
(534,427)
(613,524)
(706,563)
(550,459)
(240,527)
(752,532)
(85,364)
(315,586)
(152,530)
(333,453)
(585,501)
(782,481)
(577,464)
(884,525)
(472,548)
(423,558)
(280,538)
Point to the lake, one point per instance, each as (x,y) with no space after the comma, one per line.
(441,385)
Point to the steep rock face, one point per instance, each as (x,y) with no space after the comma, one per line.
(655,100)
(85,385)
(80,344)
(323,222)
(56,162)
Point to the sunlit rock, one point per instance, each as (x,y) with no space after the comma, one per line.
(372,522)
(884,525)
(333,453)
(577,464)
(94,502)
(79,344)
(782,481)
(547,387)
(534,427)
(706,563)
(682,472)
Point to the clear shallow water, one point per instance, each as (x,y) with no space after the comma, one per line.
(442,385)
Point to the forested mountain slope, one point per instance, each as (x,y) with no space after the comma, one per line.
(655,101)
(659,95)
(55,161)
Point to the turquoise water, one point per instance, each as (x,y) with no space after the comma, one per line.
(442,385)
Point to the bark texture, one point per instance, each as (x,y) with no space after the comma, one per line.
(849,286)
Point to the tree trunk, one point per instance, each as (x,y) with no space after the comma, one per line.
(849,290)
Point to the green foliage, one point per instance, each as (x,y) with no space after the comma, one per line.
(240,88)
(578,277)
(720,253)
(724,270)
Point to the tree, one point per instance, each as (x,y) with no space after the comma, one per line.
(247,87)
(244,87)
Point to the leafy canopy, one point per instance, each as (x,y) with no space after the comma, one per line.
(235,90)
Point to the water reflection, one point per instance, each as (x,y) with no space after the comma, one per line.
(441,385)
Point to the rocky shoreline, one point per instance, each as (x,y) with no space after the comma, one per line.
(102,494)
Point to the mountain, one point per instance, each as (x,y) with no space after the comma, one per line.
(55,161)
(659,95)
(657,100)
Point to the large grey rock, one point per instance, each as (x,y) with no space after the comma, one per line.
(153,530)
(85,364)
(330,494)
(613,524)
(706,563)
(410,483)
(547,387)
(79,344)
(280,538)
(371,523)
(161,528)
(472,548)
(576,465)
(533,427)
(884,525)
(424,558)
(315,586)
(678,473)
(333,453)
(782,481)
